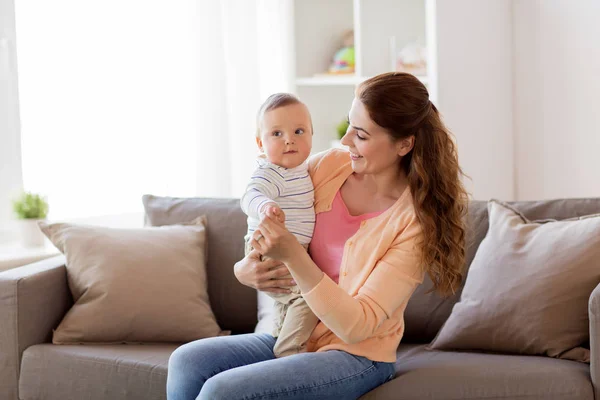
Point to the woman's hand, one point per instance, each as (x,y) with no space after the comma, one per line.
(266,276)
(273,240)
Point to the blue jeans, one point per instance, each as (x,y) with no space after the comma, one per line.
(244,367)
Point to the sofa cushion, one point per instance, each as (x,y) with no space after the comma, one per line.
(433,375)
(134,285)
(528,288)
(95,372)
(234,304)
(99,372)
(427,312)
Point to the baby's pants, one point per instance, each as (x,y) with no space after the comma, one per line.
(294,320)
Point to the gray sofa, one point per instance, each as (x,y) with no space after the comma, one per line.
(34,298)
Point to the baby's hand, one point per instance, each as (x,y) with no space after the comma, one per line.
(278,212)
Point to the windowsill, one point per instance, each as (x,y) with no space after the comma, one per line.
(14,254)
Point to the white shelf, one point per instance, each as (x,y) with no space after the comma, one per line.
(335,80)
(381,29)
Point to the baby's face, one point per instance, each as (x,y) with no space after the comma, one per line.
(286,135)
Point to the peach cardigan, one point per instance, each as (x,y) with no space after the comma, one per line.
(364,313)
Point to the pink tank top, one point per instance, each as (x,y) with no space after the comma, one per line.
(332,229)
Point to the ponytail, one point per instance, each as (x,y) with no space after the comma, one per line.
(400,103)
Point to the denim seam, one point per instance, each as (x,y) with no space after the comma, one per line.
(299,389)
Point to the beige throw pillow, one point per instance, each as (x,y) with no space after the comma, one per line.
(134,285)
(528,288)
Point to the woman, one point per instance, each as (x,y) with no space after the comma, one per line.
(388,212)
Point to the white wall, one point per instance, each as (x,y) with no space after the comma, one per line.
(519,82)
(557,89)
(10,142)
(474,65)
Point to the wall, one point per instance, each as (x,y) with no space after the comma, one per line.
(10,142)
(557,84)
(474,65)
(518,84)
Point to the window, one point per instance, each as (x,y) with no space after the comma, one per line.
(120,98)
(107,103)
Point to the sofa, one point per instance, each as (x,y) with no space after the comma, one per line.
(34,298)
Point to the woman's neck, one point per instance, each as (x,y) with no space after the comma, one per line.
(387,184)
(370,193)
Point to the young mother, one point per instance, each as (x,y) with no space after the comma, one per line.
(388,211)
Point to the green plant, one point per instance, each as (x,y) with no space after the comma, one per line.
(342,128)
(30,206)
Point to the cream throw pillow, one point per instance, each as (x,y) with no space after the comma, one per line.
(528,288)
(134,285)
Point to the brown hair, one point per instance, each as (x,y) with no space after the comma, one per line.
(399,103)
(274,101)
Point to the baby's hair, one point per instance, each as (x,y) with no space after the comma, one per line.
(273,102)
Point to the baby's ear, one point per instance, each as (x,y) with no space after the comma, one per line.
(259,144)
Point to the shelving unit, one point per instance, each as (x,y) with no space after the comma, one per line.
(381,29)
(339,80)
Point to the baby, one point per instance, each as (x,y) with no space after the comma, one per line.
(281,182)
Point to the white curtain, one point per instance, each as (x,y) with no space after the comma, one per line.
(125,97)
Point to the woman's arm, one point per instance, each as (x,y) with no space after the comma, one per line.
(266,276)
(353,319)
(278,243)
(304,271)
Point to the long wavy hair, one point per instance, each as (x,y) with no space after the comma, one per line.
(399,103)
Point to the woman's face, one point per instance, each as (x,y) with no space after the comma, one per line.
(372,149)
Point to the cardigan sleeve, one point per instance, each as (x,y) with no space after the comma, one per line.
(391,283)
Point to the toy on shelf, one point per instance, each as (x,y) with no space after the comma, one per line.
(412,59)
(343,59)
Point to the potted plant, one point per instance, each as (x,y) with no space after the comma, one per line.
(341,129)
(30,208)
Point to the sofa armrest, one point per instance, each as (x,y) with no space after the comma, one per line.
(594,314)
(33,300)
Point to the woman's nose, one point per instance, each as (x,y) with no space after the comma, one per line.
(344,140)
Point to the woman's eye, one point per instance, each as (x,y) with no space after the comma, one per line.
(277,133)
(299,131)
(361,138)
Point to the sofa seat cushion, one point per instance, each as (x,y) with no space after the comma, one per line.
(58,372)
(430,375)
(140,372)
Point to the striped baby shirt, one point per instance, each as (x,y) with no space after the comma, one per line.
(291,189)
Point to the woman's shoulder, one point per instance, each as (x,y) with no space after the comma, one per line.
(326,162)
